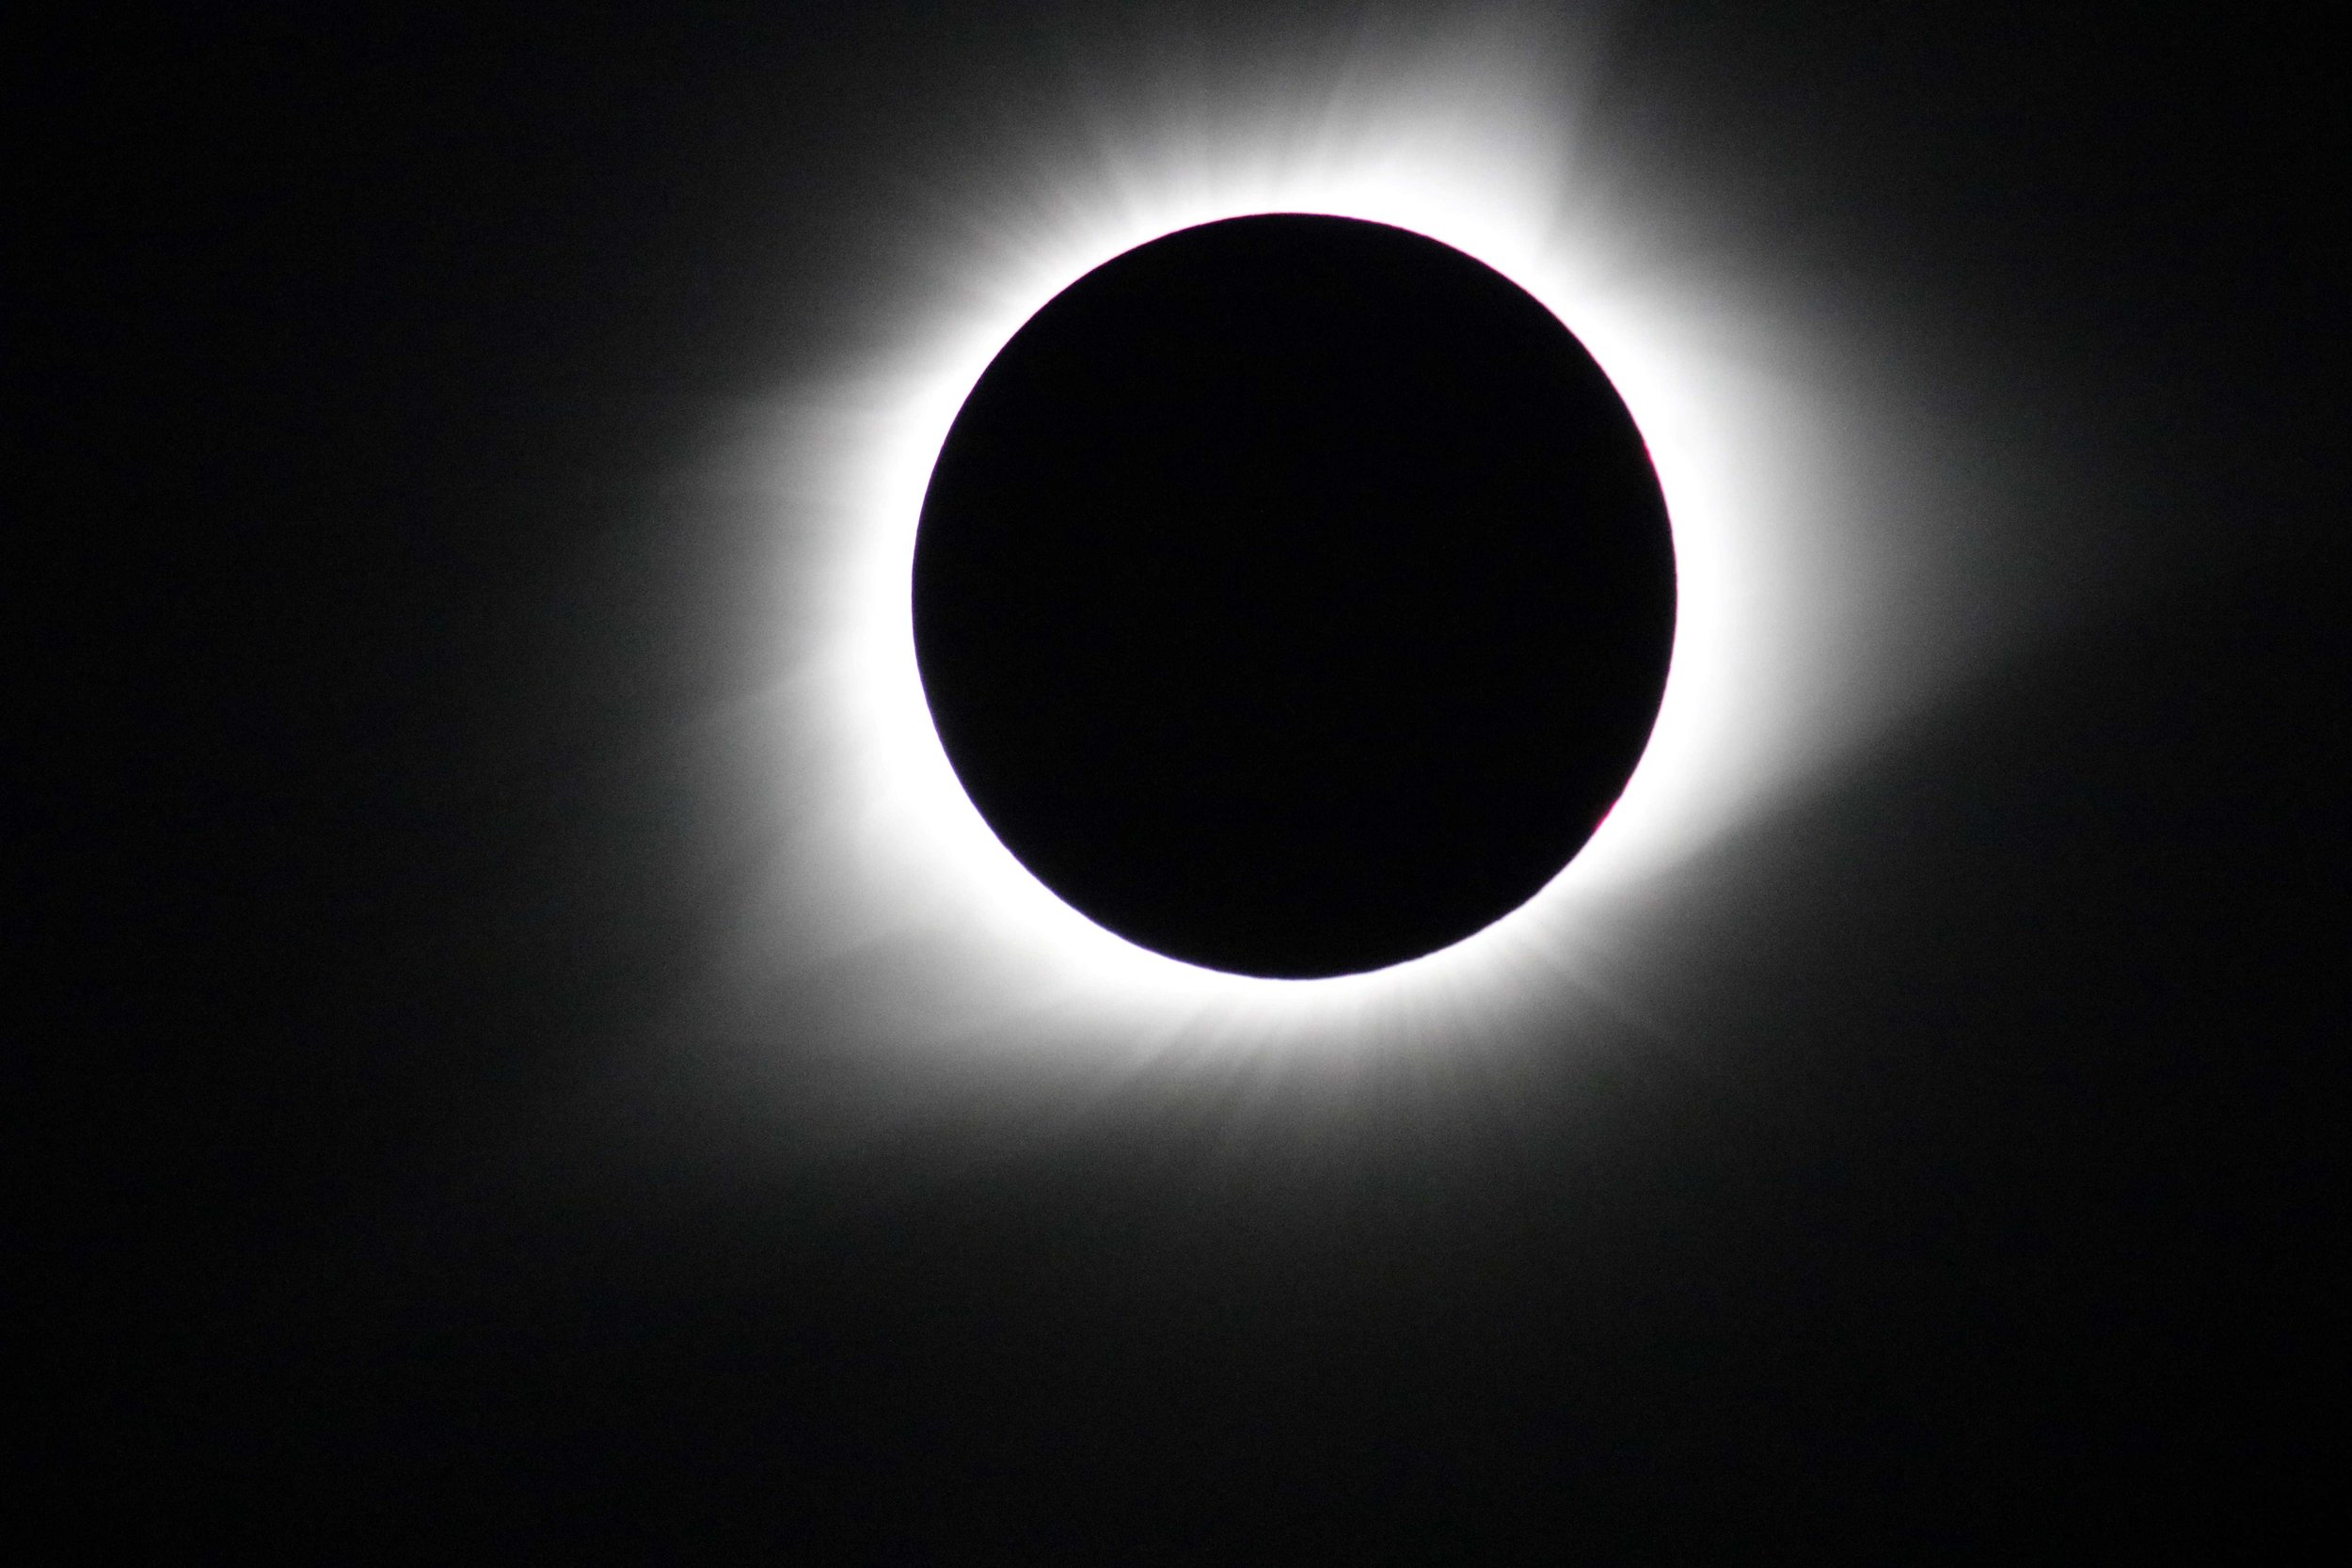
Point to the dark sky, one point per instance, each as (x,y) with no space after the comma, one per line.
(1971,1195)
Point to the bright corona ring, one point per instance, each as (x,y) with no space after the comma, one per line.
(891,871)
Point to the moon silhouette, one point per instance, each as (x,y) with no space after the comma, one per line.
(1293,595)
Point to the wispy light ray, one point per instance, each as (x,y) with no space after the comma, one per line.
(884,869)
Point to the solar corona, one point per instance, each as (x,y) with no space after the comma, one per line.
(1301,568)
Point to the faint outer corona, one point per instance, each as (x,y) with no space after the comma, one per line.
(1293,595)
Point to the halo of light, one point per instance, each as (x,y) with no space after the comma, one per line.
(888,869)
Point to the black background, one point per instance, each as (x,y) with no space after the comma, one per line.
(1975,1199)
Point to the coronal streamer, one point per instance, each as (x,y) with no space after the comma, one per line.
(1787,647)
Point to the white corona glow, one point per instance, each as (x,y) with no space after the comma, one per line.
(886,871)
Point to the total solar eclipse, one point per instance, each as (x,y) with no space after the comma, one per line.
(1293,595)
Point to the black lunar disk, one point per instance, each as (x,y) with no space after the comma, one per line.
(1293,595)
